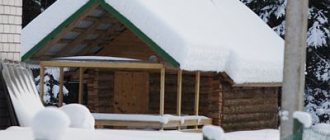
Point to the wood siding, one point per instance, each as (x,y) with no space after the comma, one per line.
(233,108)
(249,108)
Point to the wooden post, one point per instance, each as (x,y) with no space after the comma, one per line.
(60,96)
(179,93)
(81,85)
(197,87)
(162,91)
(42,82)
(294,64)
(197,92)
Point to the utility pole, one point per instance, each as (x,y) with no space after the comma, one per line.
(294,64)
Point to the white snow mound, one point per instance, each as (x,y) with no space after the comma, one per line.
(79,115)
(322,128)
(304,118)
(213,132)
(50,124)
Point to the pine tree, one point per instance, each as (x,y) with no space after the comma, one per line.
(317,88)
(51,85)
(32,8)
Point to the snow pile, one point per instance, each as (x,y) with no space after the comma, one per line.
(50,124)
(79,115)
(304,118)
(322,128)
(317,132)
(212,38)
(213,132)
(111,134)
(264,134)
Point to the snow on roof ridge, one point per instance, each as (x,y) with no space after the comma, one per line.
(221,36)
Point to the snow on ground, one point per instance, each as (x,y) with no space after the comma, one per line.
(110,134)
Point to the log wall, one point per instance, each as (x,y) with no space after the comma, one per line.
(188,93)
(100,90)
(233,108)
(249,108)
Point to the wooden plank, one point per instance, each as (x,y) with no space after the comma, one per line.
(52,42)
(42,82)
(197,92)
(81,85)
(245,117)
(132,65)
(60,96)
(179,93)
(254,85)
(81,37)
(162,91)
(95,19)
(113,31)
(131,92)
(152,124)
(82,30)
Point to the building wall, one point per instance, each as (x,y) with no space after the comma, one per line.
(233,108)
(10,29)
(248,108)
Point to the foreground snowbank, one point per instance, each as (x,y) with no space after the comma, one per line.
(17,133)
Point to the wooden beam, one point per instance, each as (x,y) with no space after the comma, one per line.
(52,42)
(179,93)
(197,91)
(80,38)
(105,18)
(60,96)
(162,92)
(42,82)
(65,41)
(258,85)
(93,64)
(81,85)
(104,37)
(82,30)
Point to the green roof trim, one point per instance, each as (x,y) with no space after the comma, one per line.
(57,30)
(154,46)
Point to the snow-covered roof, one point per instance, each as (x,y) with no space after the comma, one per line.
(206,35)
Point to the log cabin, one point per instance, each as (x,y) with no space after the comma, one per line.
(211,58)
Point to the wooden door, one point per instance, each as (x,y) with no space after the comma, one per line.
(131,92)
